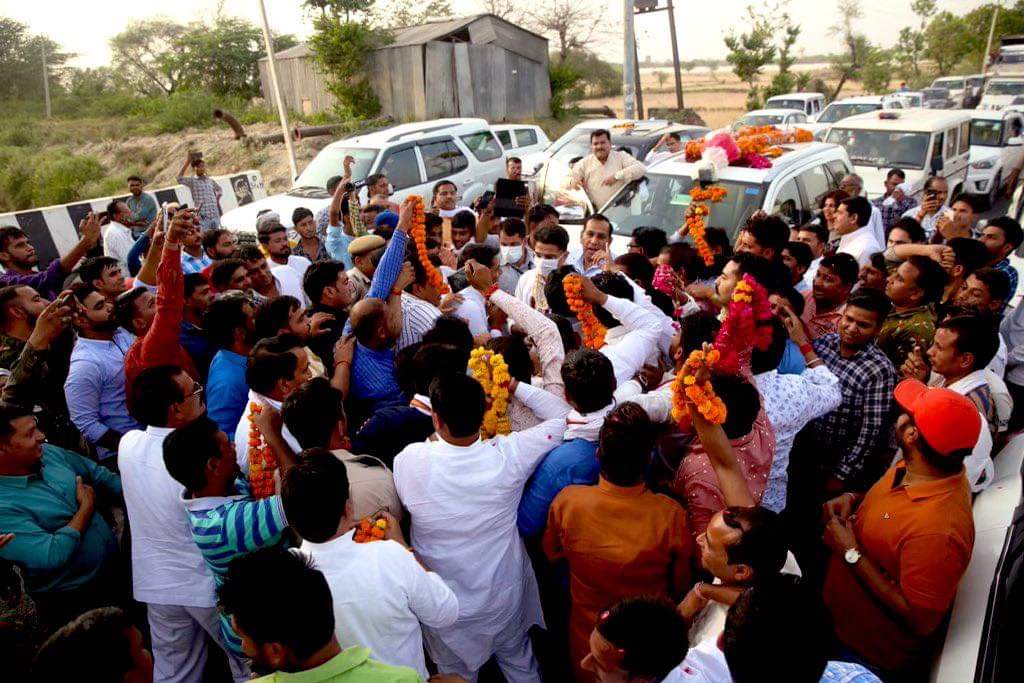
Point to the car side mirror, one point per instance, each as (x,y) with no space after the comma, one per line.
(937,165)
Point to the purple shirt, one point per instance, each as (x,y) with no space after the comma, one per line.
(47,282)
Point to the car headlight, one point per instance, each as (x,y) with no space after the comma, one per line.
(983,164)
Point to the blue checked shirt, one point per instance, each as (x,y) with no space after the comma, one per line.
(860,425)
(1011,273)
(194,264)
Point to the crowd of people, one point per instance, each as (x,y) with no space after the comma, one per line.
(386,445)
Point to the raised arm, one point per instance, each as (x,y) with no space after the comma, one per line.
(544,333)
(633,169)
(730,477)
(394,256)
(90,229)
(543,404)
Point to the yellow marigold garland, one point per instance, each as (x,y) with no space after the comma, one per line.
(490,370)
(685,387)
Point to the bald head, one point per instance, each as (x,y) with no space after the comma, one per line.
(367,318)
(852,184)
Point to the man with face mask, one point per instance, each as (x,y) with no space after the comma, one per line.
(551,248)
(95,385)
(516,257)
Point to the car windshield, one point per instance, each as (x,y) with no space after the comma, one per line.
(987,133)
(578,146)
(761,120)
(950,83)
(661,201)
(1005,88)
(1011,57)
(882,148)
(329,163)
(836,111)
(976,81)
(935,93)
(787,104)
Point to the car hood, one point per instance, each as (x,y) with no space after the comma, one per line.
(995,101)
(244,217)
(980,152)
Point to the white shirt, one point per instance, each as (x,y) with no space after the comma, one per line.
(117,242)
(381,594)
(418,316)
(876,224)
(978,465)
(704,663)
(473,310)
(289,283)
(860,244)
(812,270)
(448,213)
(297,263)
(167,567)
(463,502)
(641,340)
(575,259)
(791,401)
(242,431)
(929,222)
(529,289)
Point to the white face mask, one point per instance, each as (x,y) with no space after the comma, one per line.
(546,266)
(511,254)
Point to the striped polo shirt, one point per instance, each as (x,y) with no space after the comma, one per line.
(227,527)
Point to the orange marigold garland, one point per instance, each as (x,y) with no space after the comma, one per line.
(742,329)
(754,140)
(370,529)
(696,214)
(262,462)
(593,330)
(419,237)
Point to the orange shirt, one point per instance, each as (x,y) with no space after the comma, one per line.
(921,536)
(620,542)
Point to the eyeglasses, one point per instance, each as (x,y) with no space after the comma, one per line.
(197,390)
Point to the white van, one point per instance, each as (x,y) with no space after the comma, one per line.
(921,142)
(1002,92)
(521,139)
(810,103)
(414,156)
(791,188)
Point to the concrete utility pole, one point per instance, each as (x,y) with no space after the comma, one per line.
(46,82)
(281,110)
(675,55)
(986,58)
(629,65)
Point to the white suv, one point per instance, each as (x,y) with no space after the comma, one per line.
(414,157)
(791,188)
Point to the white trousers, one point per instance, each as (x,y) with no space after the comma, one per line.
(179,643)
(512,649)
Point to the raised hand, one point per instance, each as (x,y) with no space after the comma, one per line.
(89,227)
(52,322)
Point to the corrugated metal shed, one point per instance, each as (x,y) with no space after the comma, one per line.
(480,65)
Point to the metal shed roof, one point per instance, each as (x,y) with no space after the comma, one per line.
(441,29)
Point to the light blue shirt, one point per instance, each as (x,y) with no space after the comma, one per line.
(194,264)
(337,245)
(95,387)
(575,259)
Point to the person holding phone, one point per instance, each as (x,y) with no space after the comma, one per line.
(936,192)
(206,193)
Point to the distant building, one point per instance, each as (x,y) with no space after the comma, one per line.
(471,66)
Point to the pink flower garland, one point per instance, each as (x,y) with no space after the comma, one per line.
(742,328)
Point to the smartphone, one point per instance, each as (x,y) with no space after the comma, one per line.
(485,199)
(931,194)
(458,281)
(508,192)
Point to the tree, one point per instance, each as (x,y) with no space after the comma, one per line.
(877,71)
(784,82)
(509,10)
(571,23)
(21,61)
(849,63)
(910,46)
(149,55)
(942,44)
(341,49)
(337,9)
(401,13)
(750,52)
(222,59)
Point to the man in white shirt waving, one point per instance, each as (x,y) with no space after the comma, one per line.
(117,238)
(853,223)
(604,171)
(462,494)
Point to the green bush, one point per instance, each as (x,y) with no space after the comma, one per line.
(564,78)
(15,187)
(19,132)
(58,178)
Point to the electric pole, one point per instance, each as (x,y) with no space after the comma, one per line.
(988,46)
(46,81)
(629,65)
(282,111)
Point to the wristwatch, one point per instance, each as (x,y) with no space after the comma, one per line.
(852,556)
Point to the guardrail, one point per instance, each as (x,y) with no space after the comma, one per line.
(53,230)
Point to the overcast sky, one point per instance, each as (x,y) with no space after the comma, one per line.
(85,27)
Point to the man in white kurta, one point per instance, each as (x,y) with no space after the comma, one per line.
(463,501)
(604,171)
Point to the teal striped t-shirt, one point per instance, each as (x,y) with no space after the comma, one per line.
(227,527)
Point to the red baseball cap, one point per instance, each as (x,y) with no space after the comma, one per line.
(947,420)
